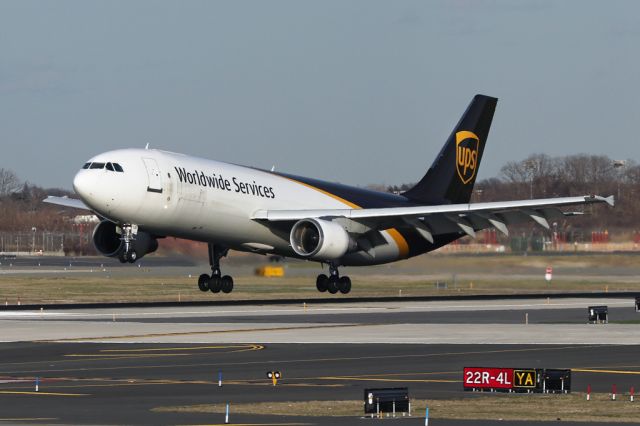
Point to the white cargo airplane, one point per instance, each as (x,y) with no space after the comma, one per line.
(145,194)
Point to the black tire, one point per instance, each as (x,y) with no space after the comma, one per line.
(322,282)
(215,284)
(332,284)
(344,285)
(203,282)
(122,257)
(227,284)
(132,256)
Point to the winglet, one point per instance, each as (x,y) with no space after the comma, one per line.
(600,199)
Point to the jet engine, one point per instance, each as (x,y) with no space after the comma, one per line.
(106,240)
(320,239)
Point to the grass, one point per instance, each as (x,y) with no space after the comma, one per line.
(572,407)
(102,288)
(507,274)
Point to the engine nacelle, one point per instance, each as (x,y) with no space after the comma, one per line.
(107,241)
(320,239)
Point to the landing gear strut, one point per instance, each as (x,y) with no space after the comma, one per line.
(334,282)
(128,236)
(216,282)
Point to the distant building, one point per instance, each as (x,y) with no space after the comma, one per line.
(85,218)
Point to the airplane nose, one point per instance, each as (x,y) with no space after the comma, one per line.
(81,184)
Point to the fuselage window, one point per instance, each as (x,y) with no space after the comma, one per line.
(117,167)
(86,165)
(97,166)
(109,167)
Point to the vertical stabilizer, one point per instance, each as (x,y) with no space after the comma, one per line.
(451,177)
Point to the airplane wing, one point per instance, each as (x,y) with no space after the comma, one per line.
(67,202)
(441,219)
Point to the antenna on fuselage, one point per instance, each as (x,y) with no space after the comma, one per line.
(146,146)
(273,168)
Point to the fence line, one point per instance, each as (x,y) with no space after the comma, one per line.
(40,242)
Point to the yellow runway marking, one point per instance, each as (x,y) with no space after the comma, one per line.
(27,419)
(96,357)
(289,361)
(195,333)
(255,424)
(389,379)
(430,373)
(189,348)
(123,356)
(41,393)
(586,370)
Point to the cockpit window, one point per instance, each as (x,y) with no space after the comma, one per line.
(109,167)
(118,167)
(96,166)
(86,165)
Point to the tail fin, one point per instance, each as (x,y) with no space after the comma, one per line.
(450,178)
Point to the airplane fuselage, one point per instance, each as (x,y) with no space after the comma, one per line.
(169,194)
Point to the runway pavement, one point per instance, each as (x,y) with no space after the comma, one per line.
(115,366)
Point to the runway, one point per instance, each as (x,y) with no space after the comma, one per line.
(95,370)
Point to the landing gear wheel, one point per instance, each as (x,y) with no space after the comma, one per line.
(203,282)
(122,257)
(332,284)
(215,284)
(344,285)
(227,284)
(322,282)
(132,256)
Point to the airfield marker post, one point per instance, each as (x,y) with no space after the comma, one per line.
(588,392)
(219,379)
(426,416)
(37,384)
(631,394)
(394,408)
(226,415)
(613,392)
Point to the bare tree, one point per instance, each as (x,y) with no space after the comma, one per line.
(9,182)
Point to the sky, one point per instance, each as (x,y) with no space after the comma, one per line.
(358,92)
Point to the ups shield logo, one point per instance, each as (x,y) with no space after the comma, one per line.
(467,145)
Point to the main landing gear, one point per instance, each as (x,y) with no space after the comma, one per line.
(216,282)
(334,282)
(128,254)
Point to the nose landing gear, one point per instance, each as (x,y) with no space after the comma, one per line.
(128,254)
(216,282)
(334,282)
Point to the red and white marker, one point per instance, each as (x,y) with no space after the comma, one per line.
(588,392)
(548,274)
